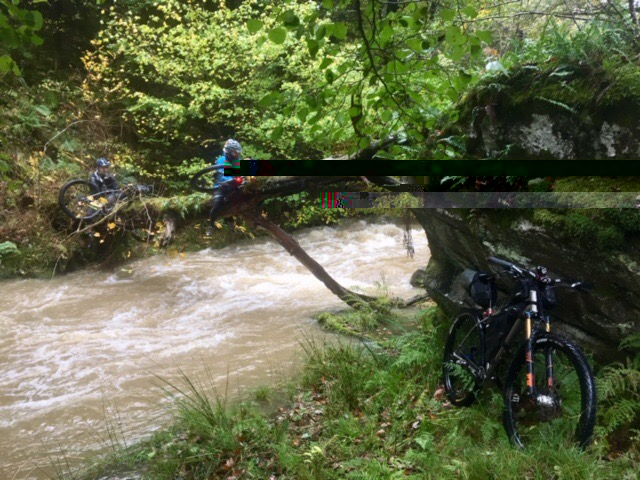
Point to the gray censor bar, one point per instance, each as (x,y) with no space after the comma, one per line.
(564,200)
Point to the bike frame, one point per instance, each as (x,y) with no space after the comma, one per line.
(531,318)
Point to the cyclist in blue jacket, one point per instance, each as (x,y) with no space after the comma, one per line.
(225,185)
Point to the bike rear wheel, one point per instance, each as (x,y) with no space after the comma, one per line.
(564,410)
(463,362)
(77,201)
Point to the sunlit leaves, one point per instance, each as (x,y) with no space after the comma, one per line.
(8,65)
(254,25)
(290,19)
(278,35)
(337,30)
(302,113)
(320,32)
(386,115)
(285,74)
(386,34)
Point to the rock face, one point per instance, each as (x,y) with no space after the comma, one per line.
(558,136)
(597,320)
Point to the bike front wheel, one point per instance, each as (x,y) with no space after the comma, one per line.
(463,363)
(562,411)
(77,201)
(203,181)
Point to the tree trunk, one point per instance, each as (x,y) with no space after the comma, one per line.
(352,299)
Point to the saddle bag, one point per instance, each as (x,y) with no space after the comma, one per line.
(481,287)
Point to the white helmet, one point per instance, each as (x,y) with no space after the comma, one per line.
(232,145)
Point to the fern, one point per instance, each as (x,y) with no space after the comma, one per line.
(632,342)
(361,476)
(616,379)
(564,106)
(623,412)
(489,430)
(619,389)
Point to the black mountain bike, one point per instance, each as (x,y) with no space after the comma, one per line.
(549,389)
(79,202)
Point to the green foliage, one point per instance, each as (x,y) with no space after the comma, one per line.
(603,228)
(568,68)
(283,74)
(7,249)
(302,209)
(581,226)
(175,90)
(185,205)
(364,319)
(487,184)
(341,372)
(17,30)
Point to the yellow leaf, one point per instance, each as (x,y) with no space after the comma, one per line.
(96,234)
(111,226)
(217,225)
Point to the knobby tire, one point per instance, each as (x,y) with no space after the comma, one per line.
(571,416)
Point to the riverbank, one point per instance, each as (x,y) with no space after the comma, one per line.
(366,409)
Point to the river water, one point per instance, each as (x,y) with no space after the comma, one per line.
(80,355)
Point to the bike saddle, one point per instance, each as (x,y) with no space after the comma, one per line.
(485,276)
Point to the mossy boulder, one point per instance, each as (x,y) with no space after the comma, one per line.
(554,111)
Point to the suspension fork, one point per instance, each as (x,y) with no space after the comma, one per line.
(531,389)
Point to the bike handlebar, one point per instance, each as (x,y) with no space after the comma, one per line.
(500,262)
(512,268)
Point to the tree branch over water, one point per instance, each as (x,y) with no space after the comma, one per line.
(246,203)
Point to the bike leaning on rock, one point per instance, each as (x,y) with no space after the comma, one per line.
(549,388)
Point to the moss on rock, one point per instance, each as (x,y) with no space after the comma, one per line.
(554,110)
